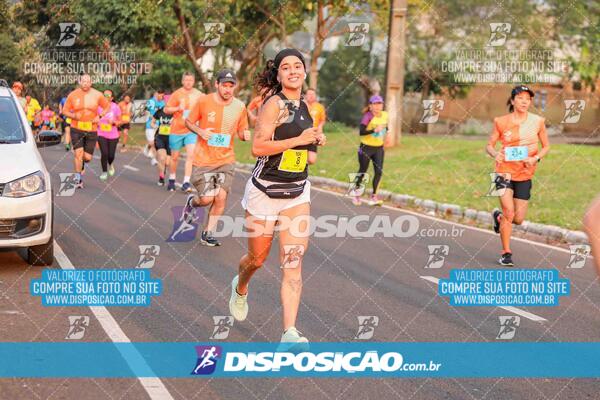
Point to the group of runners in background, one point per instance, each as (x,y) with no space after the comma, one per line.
(288,129)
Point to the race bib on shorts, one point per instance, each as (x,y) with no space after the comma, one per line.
(84,125)
(293,160)
(105,127)
(126,118)
(219,140)
(164,129)
(516,153)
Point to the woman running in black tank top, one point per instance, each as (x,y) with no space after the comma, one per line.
(284,143)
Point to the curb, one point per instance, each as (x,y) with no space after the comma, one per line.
(453,211)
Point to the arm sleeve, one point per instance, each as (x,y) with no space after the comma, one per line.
(363,130)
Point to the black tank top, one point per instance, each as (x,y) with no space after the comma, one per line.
(270,168)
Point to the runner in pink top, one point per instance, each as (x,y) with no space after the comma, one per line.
(108,136)
(47,115)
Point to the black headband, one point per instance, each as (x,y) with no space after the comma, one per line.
(288,52)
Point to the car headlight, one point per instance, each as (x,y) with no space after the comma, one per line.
(25,186)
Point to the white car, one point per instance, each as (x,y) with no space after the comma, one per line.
(26,211)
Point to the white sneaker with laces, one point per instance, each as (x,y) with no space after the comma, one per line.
(238,304)
(293,341)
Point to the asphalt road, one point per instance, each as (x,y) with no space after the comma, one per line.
(102,226)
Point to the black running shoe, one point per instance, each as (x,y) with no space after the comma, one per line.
(207,239)
(171,185)
(496,214)
(506,260)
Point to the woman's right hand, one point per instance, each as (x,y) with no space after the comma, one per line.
(499,157)
(308,136)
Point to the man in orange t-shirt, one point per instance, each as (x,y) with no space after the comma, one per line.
(316,109)
(216,119)
(179,105)
(85,106)
(520,133)
(125,124)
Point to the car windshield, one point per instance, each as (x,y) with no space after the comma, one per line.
(11,130)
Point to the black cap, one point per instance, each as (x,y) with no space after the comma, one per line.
(520,89)
(226,75)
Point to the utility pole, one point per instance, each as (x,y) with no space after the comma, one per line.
(394,91)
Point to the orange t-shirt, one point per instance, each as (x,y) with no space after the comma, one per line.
(85,106)
(225,119)
(188,99)
(511,134)
(125,111)
(317,112)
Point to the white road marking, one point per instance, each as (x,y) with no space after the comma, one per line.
(511,309)
(129,167)
(153,386)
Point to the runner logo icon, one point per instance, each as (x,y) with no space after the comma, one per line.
(207,359)
(357,34)
(185,225)
(499,33)
(573,111)
(579,253)
(431,111)
(366,327)
(437,255)
(77,326)
(148,254)
(68,33)
(223,323)
(508,327)
(68,182)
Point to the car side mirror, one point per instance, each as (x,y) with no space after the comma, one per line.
(48,138)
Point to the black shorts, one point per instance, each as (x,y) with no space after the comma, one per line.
(162,142)
(84,139)
(125,126)
(521,189)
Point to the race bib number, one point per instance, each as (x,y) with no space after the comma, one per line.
(516,153)
(164,129)
(68,120)
(380,134)
(84,125)
(106,127)
(125,118)
(293,160)
(219,140)
(186,114)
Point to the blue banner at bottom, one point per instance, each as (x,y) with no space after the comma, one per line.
(320,360)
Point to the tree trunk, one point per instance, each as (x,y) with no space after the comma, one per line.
(189,44)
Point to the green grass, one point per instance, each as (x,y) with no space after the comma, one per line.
(451,170)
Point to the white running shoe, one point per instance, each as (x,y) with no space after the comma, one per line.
(293,341)
(238,304)
(153,161)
